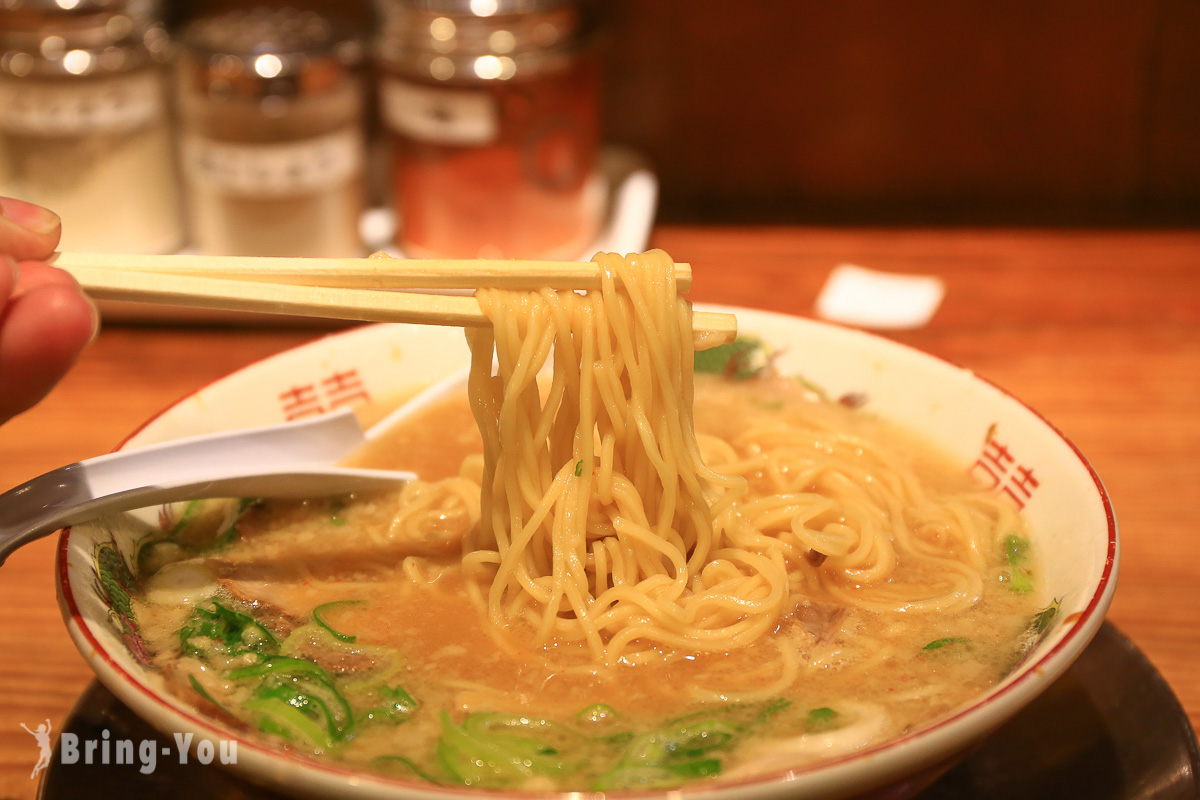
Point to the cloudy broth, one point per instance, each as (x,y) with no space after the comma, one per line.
(408,677)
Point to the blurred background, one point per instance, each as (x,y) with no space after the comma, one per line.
(492,127)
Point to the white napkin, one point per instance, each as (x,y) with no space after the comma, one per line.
(867,298)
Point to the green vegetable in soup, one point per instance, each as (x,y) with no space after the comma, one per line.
(497,750)
(664,776)
(686,748)
(335,512)
(202,527)
(215,630)
(680,742)
(397,706)
(598,713)
(200,690)
(294,698)
(820,720)
(401,764)
(745,357)
(1020,575)
(287,715)
(1039,626)
(1035,631)
(301,685)
(938,644)
(209,524)
(772,708)
(318,617)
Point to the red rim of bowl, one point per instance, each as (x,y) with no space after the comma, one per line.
(71,611)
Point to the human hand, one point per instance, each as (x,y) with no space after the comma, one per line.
(45,321)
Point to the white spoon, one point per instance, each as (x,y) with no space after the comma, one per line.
(295,459)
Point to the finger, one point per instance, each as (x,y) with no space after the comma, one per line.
(42,332)
(26,230)
(10,274)
(37,273)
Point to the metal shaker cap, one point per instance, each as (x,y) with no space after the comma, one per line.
(269,52)
(482,40)
(48,38)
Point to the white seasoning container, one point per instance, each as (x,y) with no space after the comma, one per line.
(84,122)
(273,146)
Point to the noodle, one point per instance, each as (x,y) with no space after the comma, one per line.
(601,523)
(798,581)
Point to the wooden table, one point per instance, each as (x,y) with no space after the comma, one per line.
(1098,330)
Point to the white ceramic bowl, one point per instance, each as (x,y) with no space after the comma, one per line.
(1070,518)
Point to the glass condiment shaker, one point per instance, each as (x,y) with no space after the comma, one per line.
(273,148)
(491,107)
(85,128)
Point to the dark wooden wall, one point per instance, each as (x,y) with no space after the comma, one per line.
(919,110)
(915,111)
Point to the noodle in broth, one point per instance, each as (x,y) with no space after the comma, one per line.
(793,577)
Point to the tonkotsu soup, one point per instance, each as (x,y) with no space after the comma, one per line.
(609,576)
(355,629)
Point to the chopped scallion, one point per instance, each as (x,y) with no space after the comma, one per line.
(320,620)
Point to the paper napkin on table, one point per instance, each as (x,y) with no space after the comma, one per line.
(867,298)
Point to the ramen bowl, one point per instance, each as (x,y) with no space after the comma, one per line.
(1008,446)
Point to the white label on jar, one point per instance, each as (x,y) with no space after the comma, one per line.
(437,115)
(74,108)
(277,169)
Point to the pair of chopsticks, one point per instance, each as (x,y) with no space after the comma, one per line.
(344,288)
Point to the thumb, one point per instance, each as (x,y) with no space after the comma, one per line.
(27,231)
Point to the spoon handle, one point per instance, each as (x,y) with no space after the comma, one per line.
(290,460)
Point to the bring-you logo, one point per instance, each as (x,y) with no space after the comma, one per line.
(143,754)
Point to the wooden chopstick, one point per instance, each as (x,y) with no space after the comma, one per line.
(376,272)
(709,329)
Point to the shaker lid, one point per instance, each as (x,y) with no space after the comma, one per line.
(270,51)
(487,8)
(446,39)
(79,37)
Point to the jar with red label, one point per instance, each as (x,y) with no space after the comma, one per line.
(491,109)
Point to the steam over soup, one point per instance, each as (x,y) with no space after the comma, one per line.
(355,630)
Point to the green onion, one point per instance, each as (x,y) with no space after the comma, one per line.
(335,512)
(579,469)
(772,708)
(200,690)
(189,511)
(387,761)
(305,685)
(1035,631)
(1040,624)
(696,769)
(495,750)
(208,524)
(1016,551)
(289,721)
(321,609)
(283,665)
(675,743)
(598,712)
(656,777)
(938,644)
(746,357)
(397,707)
(220,630)
(821,719)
